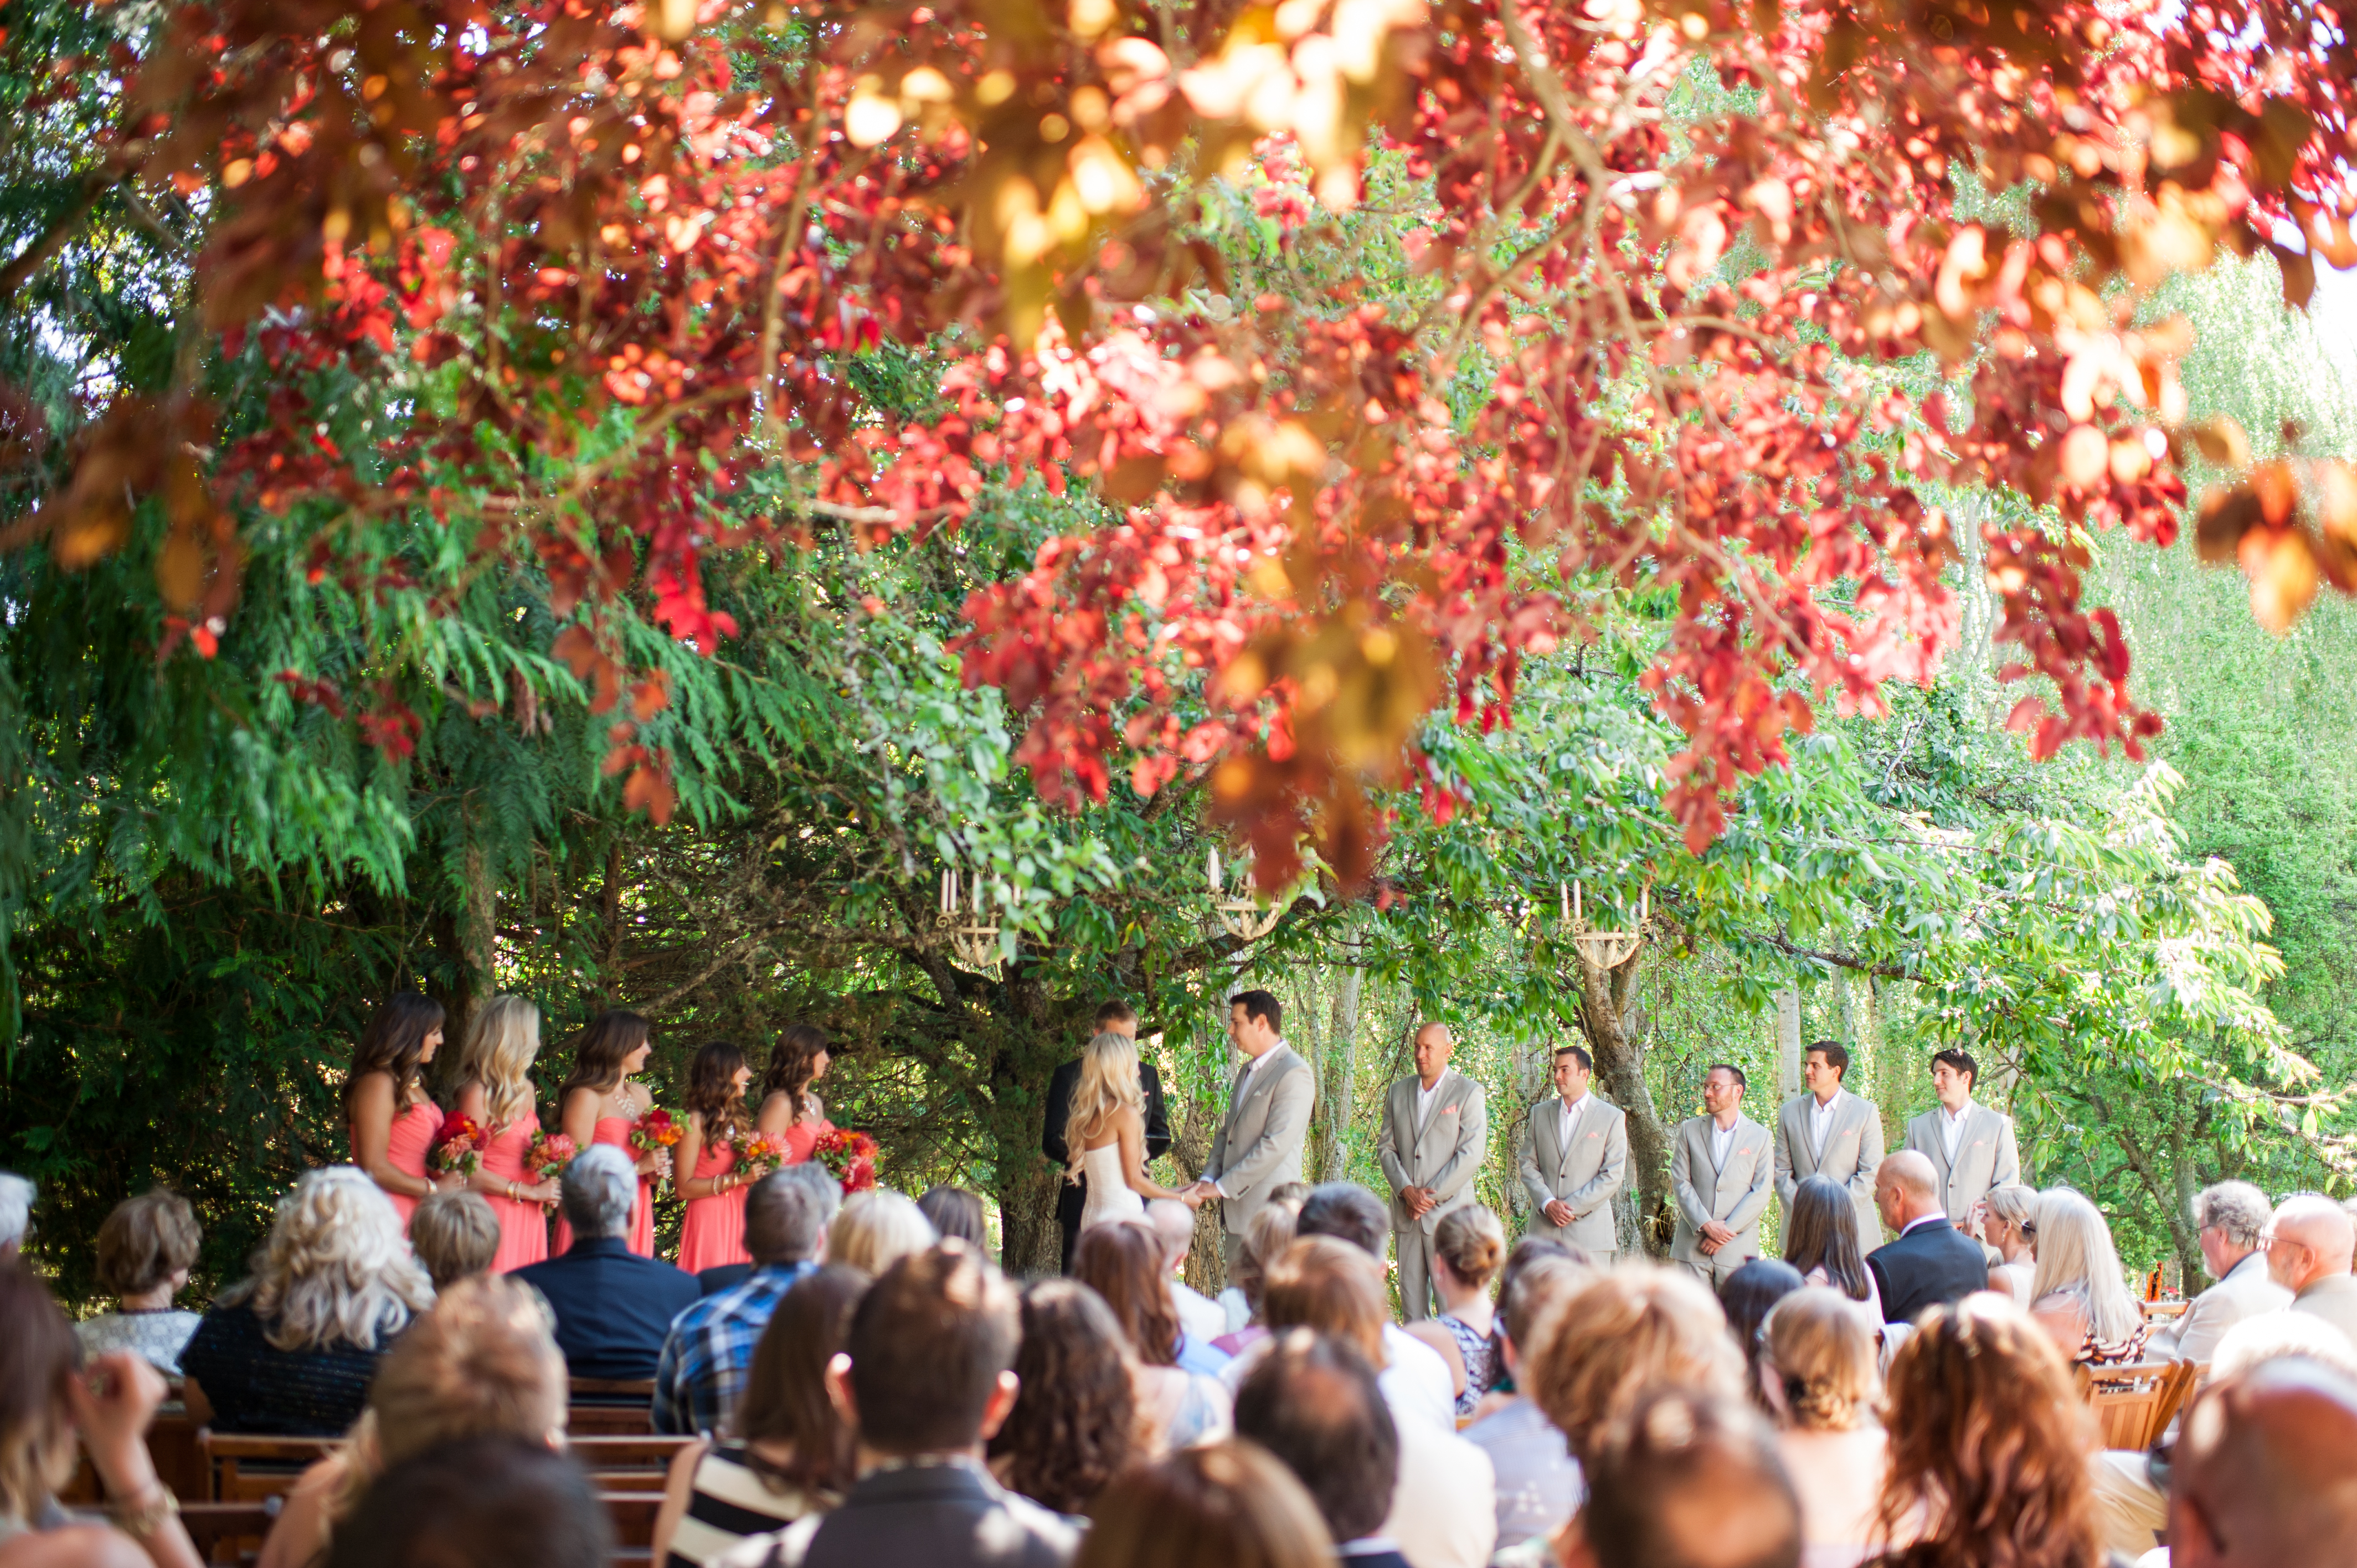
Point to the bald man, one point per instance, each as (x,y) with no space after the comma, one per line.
(1932,1263)
(2309,1245)
(2265,1475)
(1435,1130)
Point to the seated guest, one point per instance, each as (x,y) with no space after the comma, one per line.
(1527,1251)
(954,1211)
(2273,1334)
(1200,1317)
(481,1502)
(1619,1333)
(2262,1477)
(480,1363)
(876,1229)
(1349,1212)
(1230,1504)
(2232,1218)
(47,1396)
(2008,1224)
(926,1378)
(701,1373)
(16,1213)
(145,1251)
(1444,1496)
(1990,1446)
(1537,1479)
(1746,1296)
(1691,1481)
(613,1306)
(1819,1376)
(1313,1403)
(1821,1240)
(1286,1198)
(1932,1262)
(1466,1248)
(1074,1424)
(1176,1408)
(455,1235)
(2078,1294)
(290,1349)
(1266,1239)
(788,1454)
(2309,1244)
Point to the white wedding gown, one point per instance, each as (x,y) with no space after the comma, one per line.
(1110,1198)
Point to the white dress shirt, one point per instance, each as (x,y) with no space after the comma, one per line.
(1951,1128)
(1569,1112)
(1821,1120)
(1243,1082)
(1424,1099)
(1722,1139)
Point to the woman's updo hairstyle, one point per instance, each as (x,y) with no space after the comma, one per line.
(1472,1241)
(1822,1352)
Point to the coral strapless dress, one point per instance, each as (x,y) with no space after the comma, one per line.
(523,1227)
(406,1144)
(713,1233)
(803,1137)
(616,1130)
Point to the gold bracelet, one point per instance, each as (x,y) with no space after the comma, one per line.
(141,1520)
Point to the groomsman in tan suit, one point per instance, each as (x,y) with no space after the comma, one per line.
(1434,1131)
(1258,1146)
(1972,1148)
(1575,1159)
(1722,1169)
(1827,1131)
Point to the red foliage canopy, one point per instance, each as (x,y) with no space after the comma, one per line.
(1683,305)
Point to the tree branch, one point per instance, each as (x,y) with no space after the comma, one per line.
(61,230)
(1840,960)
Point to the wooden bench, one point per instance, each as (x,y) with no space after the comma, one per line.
(633,1514)
(628,1464)
(623,1407)
(2135,1404)
(252,1469)
(227,1532)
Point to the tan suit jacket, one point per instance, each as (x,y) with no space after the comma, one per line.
(1735,1193)
(1258,1145)
(1444,1154)
(2246,1292)
(1587,1172)
(1987,1155)
(1852,1150)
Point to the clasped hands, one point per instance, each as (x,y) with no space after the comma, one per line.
(1420,1201)
(1713,1237)
(1198,1192)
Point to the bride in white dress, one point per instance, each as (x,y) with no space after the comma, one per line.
(1107,1136)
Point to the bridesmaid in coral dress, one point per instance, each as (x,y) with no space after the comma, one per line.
(599,1103)
(495,1088)
(790,1112)
(714,1231)
(388,1116)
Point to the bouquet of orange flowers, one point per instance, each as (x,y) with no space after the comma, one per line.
(658,1129)
(551,1153)
(458,1147)
(850,1157)
(757,1154)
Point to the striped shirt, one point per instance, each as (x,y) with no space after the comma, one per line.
(730,1500)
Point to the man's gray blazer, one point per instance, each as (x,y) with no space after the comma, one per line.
(1444,1154)
(1586,1171)
(2246,1292)
(1987,1155)
(1258,1145)
(1853,1148)
(1735,1193)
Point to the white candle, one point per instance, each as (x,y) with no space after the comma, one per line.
(1212,869)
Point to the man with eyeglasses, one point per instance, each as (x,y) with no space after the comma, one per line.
(2233,1218)
(2262,1476)
(2310,1244)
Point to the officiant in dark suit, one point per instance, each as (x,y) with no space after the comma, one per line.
(1073,1196)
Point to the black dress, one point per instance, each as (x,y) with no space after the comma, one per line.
(255,1387)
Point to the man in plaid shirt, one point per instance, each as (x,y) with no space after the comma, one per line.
(701,1374)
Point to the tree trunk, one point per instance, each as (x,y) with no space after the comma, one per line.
(1030,1042)
(1337,1077)
(1606,1019)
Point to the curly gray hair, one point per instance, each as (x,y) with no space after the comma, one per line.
(2238,1210)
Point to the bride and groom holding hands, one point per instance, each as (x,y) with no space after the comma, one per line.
(1105,1119)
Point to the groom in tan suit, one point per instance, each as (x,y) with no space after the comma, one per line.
(1258,1146)
(1435,1127)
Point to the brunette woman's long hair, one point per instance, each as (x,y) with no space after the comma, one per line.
(789,1064)
(1989,1443)
(1821,1232)
(599,1051)
(713,1094)
(785,1401)
(1123,1263)
(1074,1422)
(390,1044)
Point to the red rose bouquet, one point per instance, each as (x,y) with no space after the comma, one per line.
(850,1157)
(655,1130)
(757,1154)
(458,1147)
(551,1153)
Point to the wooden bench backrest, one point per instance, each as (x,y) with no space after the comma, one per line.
(2135,1404)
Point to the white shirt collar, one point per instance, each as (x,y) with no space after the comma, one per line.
(1570,1111)
(1926,1219)
(1425,1097)
(1253,1064)
(1956,1117)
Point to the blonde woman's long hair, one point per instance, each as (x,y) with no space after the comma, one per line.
(502,1038)
(876,1228)
(2076,1259)
(1109,1085)
(335,1269)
